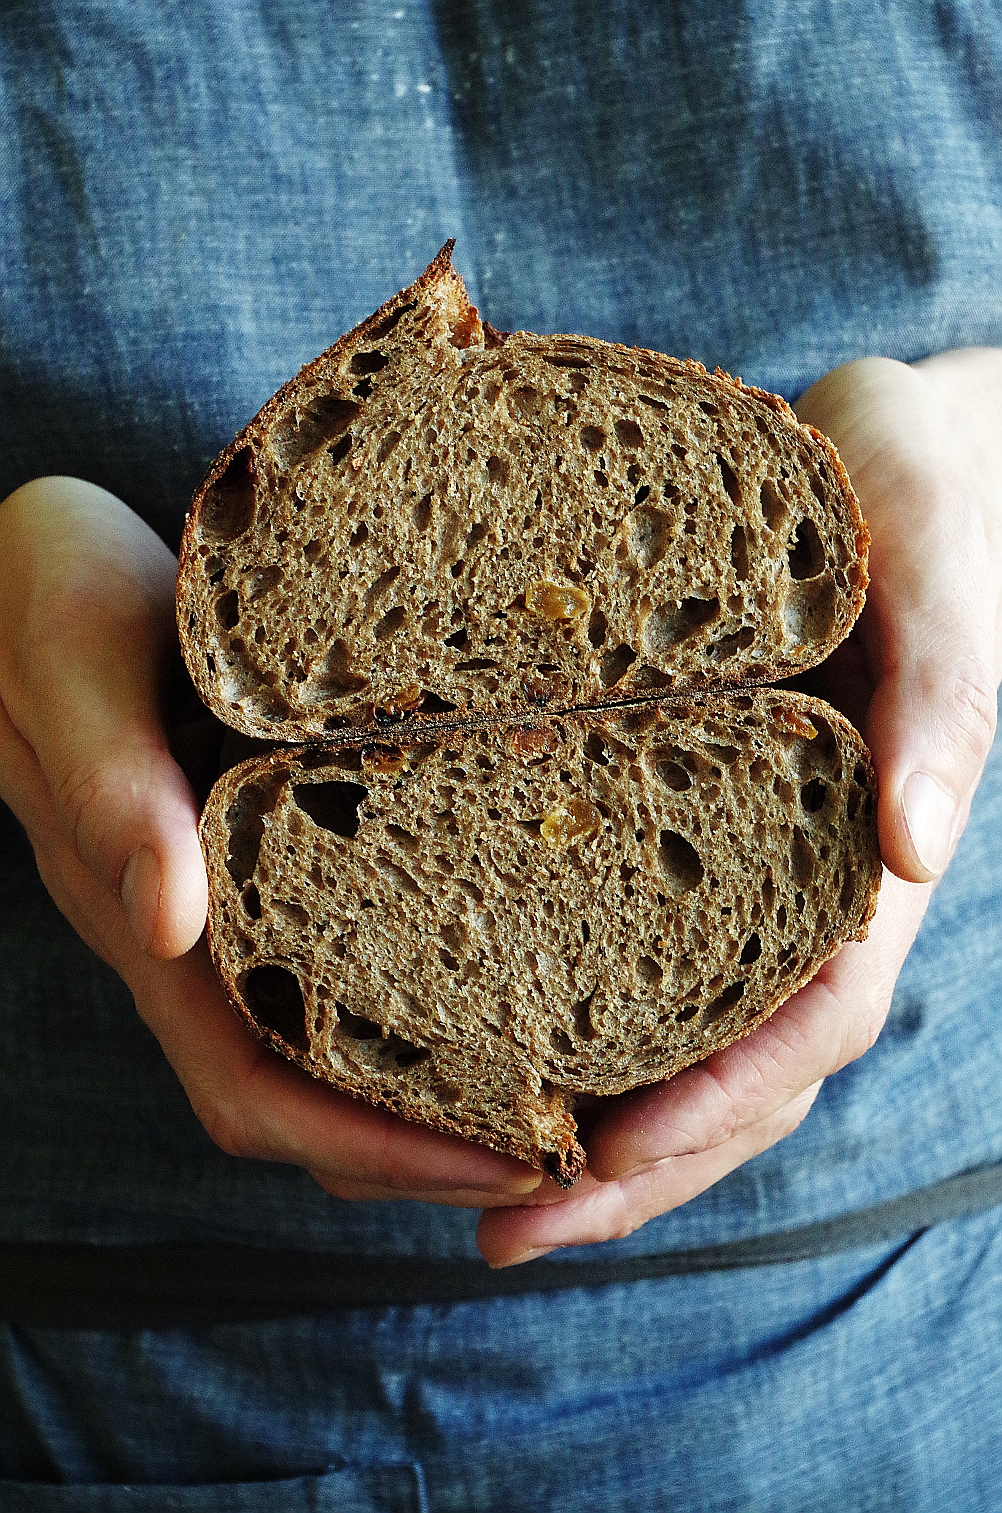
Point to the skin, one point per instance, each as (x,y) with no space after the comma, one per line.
(98,755)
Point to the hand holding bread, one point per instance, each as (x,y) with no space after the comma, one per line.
(924,448)
(88,654)
(545,835)
(933,508)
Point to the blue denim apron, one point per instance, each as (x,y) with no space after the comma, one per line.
(195,199)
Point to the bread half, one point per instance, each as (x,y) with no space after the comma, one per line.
(432,516)
(475,927)
(542,838)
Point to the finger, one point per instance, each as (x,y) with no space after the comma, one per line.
(82,669)
(74,890)
(613,1210)
(254,1103)
(931,623)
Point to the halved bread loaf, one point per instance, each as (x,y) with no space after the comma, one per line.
(477,927)
(433,516)
(545,842)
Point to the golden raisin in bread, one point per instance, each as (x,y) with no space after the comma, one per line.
(543,839)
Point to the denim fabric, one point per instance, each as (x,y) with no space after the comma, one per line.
(195,198)
(863,1382)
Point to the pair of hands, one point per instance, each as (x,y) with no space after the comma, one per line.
(93,762)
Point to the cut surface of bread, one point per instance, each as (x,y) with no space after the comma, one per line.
(545,841)
(432,516)
(571,907)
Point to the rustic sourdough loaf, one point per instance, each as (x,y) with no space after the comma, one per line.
(545,842)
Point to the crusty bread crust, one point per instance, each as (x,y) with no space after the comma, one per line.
(547,840)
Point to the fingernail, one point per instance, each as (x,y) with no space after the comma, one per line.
(506,1187)
(930,814)
(140,894)
(525,1255)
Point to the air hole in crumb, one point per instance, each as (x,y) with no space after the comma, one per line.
(751,951)
(561,1042)
(368,362)
(422,512)
(335,679)
(251,900)
(228,504)
(649,971)
(245,826)
(650,535)
(806,554)
(682,866)
(391,622)
(730,480)
(459,639)
(666,626)
(803,858)
(724,1001)
(359,534)
(629,434)
(356,1025)
(739,553)
(774,506)
(412,1057)
(813,795)
(726,646)
(340,450)
(334,806)
(598,626)
(387,445)
(593,437)
(228,609)
(671,773)
(615,665)
(275,999)
(388,322)
(432,704)
(302,430)
(689,1012)
(594,749)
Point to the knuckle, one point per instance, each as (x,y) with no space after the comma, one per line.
(226,1126)
(88,797)
(973,711)
(76,793)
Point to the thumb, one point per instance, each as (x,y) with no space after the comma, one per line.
(930,629)
(85,646)
(930,728)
